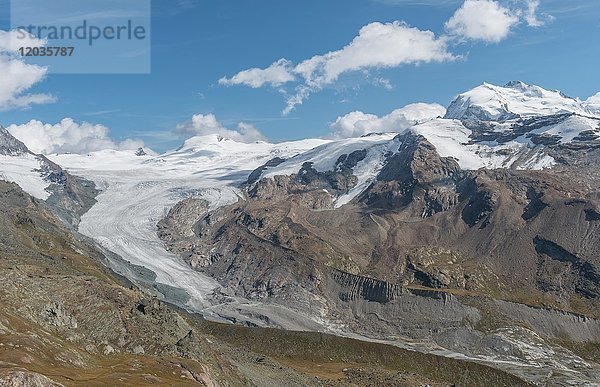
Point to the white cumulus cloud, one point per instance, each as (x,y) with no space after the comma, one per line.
(275,75)
(483,20)
(206,124)
(17,76)
(377,46)
(357,123)
(68,136)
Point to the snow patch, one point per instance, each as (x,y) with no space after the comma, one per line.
(452,139)
(593,104)
(24,170)
(368,169)
(570,128)
(324,157)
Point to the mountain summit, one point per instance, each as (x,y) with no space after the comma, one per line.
(516,99)
(593,104)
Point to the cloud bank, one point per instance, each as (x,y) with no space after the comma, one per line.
(68,136)
(357,123)
(206,124)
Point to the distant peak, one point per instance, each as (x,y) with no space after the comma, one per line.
(202,141)
(594,99)
(513,100)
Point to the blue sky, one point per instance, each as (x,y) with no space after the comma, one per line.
(196,43)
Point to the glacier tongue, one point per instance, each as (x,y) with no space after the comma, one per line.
(138,191)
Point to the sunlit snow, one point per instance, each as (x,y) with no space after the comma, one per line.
(24,170)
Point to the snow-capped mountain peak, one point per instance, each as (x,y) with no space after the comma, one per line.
(516,99)
(595,99)
(593,104)
(197,142)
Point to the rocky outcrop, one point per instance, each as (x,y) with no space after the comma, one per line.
(582,276)
(55,315)
(353,287)
(481,202)
(415,176)
(317,188)
(257,173)
(25,379)
(9,145)
(70,196)
(536,205)
(592,215)
(490,131)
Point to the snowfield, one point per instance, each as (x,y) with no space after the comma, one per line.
(452,139)
(324,158)
(570,128)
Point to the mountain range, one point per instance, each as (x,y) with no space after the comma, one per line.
(474,235)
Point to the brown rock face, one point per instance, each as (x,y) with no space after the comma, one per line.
(415,177)
(428,250)
(423,222)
